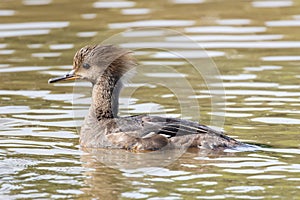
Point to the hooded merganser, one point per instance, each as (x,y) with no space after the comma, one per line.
(104,66)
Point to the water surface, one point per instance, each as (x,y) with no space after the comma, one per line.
(254,44)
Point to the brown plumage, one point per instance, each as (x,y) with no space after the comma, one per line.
(105,66)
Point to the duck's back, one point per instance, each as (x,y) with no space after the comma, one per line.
(145,132)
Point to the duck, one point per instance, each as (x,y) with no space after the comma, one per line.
(105,66)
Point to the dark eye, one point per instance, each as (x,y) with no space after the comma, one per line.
(86,66)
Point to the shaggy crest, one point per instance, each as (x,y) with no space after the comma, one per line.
(110,58)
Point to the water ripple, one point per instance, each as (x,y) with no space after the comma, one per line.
(205,38)
(225,29)
(36,2)
(7,12)
(272,4)
(281,58)
(276,120)
(152,23)
(136,11)
(114,4)
(33,25)
(16,33)
(187,1)
(283,23)
(233,21)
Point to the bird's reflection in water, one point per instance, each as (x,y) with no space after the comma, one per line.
(114,171)
(102,182)
(126,160)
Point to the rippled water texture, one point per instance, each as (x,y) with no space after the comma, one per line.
(255,46)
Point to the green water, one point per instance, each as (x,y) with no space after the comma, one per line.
(254,45)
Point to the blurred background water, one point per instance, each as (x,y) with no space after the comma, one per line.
(255,45)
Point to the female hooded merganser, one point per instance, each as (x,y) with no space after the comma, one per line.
(104,66)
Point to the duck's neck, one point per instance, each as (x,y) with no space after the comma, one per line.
(105,97)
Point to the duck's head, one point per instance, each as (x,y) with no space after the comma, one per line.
(91,62)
